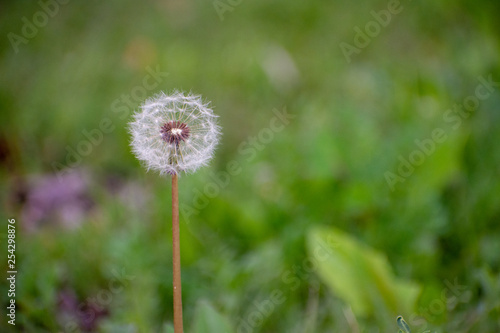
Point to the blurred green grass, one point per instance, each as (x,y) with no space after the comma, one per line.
(326,168)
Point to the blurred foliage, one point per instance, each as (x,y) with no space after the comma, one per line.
(360,276)
(207,319)
(97,258)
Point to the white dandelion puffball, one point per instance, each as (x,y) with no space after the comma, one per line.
(174,133)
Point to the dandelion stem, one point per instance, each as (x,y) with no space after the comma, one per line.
(176,260)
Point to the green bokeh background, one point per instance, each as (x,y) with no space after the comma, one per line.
(324,172)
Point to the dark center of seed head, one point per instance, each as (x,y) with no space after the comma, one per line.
(174,132)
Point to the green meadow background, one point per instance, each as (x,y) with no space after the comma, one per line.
(357,178)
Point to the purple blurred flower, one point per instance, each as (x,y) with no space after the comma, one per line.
(62,201)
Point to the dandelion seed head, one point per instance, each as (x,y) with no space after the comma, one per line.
(174,133)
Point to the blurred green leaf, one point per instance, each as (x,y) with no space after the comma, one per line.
(359,275)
